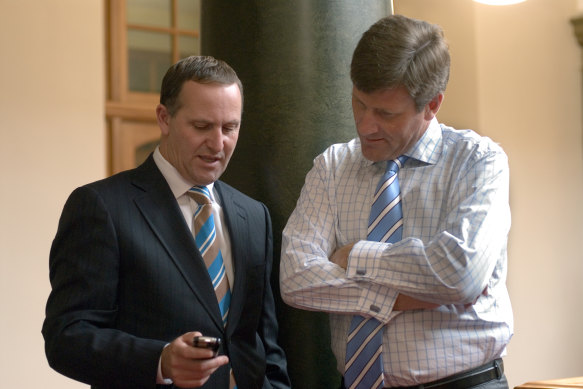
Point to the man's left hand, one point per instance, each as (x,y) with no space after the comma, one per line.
(340,256)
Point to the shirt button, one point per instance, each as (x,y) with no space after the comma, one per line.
(360,272)
(374,308)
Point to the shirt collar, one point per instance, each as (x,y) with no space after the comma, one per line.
(428,147)
(178,185)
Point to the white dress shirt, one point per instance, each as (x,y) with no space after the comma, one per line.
(179,186)
(454,190)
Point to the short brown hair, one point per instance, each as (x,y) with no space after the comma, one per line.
(400,51)
(201,69)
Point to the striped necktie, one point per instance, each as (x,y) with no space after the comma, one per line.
(205,236)
(364,362)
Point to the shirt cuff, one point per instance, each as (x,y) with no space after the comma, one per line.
(376,299)
(364,260)
(160,380)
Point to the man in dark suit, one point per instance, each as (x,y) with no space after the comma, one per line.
(130,289)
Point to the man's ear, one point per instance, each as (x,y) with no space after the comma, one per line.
(163,118)
(433,106)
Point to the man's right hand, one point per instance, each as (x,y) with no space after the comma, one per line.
(408,303)
(188,366)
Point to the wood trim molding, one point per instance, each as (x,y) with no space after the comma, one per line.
(131,115)
(563,383)
(130,111)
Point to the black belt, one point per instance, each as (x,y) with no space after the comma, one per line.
(479,375)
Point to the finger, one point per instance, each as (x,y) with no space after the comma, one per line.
(198,371)
(177,354)
(189,337)
(200,353)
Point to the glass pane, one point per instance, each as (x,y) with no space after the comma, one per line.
(188,45)
(154,13)
(188,15)
(149,56)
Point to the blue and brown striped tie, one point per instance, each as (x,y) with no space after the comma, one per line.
(205,236)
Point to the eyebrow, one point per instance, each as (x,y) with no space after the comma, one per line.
(234,122)
(205,121)
(383,111)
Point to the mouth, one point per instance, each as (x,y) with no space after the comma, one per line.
(372,140)
(210,159)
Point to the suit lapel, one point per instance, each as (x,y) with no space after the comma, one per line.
(236,220)
(160,209)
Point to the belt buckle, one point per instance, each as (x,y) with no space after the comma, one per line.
(499,372)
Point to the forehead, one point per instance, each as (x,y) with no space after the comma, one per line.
(384,98)
(210,96)
(202,89)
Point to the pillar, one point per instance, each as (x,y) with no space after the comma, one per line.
(293,58)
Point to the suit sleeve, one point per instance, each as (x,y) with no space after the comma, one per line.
(81,341)
(276,365)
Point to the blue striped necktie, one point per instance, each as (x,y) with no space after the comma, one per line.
(364,362)
(205,236)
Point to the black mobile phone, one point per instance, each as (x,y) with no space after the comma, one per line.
(209,342)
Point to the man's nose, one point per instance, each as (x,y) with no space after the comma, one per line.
(366,123)
(215,139)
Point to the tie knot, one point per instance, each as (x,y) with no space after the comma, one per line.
(200,194)
(396,164)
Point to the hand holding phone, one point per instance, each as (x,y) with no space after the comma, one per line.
(207,342)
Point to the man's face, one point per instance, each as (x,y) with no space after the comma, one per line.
(200,138)
(387,122)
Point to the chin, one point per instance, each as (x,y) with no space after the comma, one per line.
(372,156)
(202,180)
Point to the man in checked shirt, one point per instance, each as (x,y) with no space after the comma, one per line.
(439,292)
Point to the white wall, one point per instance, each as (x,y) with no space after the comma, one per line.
(515,77)
(53,139)
(530,101)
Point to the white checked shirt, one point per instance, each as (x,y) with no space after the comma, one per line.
(454,190)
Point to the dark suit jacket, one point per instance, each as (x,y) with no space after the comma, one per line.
(127,279)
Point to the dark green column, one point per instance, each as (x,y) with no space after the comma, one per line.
(293,58)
